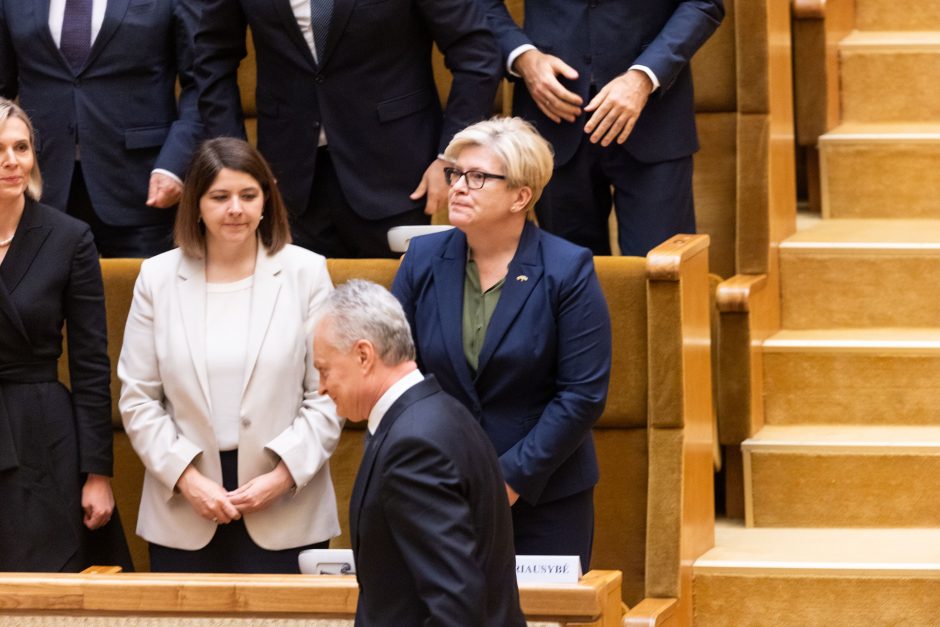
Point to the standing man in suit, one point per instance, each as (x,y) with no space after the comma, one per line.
(608,84)
(428,516)
(348,113)
(98,78)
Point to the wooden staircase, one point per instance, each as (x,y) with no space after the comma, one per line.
(842,482)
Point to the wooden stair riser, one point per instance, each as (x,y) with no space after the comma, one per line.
(882,85)
(912,15)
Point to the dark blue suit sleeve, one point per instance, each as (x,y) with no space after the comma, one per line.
(8,63)
(509,35)
(582,377)
(89,366)
(220,47)
(692,23)
(429,516)
(187,130)
(403,290)
(470,53)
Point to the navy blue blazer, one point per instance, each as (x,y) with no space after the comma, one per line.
(601,39)
(429,520)
(121,105)
(373,91)
(543,371)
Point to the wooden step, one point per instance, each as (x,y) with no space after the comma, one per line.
(842,476)
(879,15)
(881,171)
(853,377)
(861,274)
(818,577)
(891,76)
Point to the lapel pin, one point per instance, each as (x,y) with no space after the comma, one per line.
(522,278)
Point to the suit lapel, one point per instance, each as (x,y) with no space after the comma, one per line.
(29,238)
(41,17)
(192,298)
(360,487)
(525,272)
(286,13)
(449,271)
(264,292)
(113,16)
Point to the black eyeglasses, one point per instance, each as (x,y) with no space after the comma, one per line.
(475,178)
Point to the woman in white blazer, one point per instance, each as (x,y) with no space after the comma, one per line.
(219,394)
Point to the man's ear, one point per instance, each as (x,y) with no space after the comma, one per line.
(365,354)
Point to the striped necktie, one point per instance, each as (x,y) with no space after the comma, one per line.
(321,12)
(76,32)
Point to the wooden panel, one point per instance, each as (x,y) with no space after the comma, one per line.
(714,188)
(714,68)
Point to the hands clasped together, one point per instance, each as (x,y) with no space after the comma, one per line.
(614,109)
(213,502)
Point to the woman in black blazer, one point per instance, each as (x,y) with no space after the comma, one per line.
(55,446)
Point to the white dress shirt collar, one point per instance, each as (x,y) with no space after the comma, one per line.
(57,18)
(391,395)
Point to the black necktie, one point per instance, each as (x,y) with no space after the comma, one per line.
(76,32)
(321,12)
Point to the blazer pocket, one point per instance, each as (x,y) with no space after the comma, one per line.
(401,106)
(145,136)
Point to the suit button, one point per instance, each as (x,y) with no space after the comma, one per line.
(319,78)
(246,423)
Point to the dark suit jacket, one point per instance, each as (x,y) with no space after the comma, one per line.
(601,39)
(121,105)
(50,276)
(373,91)
(430,522)
(543,371)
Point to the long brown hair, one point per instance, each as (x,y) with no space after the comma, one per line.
(211,158)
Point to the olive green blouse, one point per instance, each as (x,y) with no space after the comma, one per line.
(478,307)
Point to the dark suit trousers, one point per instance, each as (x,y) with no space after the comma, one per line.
(144,240)
(331,227)
(653,201)
(231,549)
(561,527)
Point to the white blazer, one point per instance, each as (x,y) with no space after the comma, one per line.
(165,403)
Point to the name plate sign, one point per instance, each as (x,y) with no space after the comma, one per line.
(548,568)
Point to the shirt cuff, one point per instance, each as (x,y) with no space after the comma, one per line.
(649,73)
(167,173)
(515,55)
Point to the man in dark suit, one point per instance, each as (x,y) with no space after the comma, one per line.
(348,113)
(428,516)
(98,78)
(609,85)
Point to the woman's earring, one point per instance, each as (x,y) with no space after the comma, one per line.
(261,218)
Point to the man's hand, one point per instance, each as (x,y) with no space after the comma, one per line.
(263,490)
(207,497)
(617,106)
(164,191)
(539,71)
(97,501)
(434,186)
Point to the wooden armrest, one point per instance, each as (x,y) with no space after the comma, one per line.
(651,613)
(101,570)
(664,262)
(809,9)
(737,293)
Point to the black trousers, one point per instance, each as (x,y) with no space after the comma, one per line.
(331,227)
(231,550)
(561,527)
(144,240)
(653,201)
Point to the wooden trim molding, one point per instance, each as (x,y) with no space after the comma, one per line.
(809,9)
(664,262)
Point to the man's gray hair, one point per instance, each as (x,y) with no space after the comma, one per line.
(363,310)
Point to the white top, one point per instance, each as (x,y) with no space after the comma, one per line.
(57,19)
(391,395)
(228,309)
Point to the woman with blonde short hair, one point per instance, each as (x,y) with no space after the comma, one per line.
(531,358)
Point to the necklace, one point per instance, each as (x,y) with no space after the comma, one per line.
(6,242)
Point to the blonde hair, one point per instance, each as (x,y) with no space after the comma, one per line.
(527,156)
(10,110)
